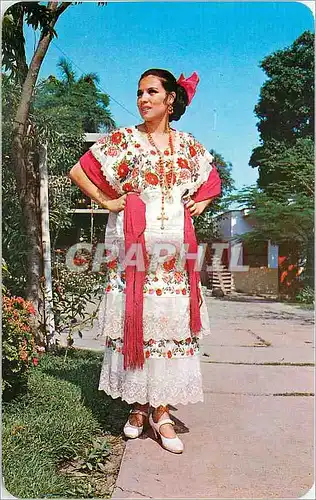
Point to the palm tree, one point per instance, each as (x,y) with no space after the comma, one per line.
(75,101)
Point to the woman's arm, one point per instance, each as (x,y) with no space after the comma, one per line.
(196,208)
(78,177)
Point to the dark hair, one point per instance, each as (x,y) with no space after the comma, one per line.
(170,84)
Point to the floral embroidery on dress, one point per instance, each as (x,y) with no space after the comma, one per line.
(161,348)
(130,165)
(166,278)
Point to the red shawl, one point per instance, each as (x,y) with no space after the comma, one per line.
(134,227)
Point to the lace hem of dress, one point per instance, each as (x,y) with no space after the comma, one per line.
(161,382)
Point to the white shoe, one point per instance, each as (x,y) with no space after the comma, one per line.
(175,444)
(134,431)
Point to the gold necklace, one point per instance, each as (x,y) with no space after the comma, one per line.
(165,186)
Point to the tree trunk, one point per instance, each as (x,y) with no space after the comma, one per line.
(25,161)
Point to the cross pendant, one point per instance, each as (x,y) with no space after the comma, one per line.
(163,217)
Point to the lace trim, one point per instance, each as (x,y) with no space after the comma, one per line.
(164,317)
(206,167)
(106,166)
(161,382)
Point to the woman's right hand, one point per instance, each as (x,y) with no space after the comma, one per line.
(116,205)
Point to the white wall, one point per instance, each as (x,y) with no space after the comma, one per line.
(239,223)
(224,225)
(233,223)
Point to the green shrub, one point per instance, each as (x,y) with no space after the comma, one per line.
(306,295)
(72,293)
(18,346)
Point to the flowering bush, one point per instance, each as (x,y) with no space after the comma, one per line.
(18,347)
(74,293)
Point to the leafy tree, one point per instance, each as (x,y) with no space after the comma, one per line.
(287,221)
(283,221)
(282,205)
(204,224)
(24,139)
(64,148)
(78,101)
(285,111)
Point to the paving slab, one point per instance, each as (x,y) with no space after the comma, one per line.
(236,446)
(253,435)
(258,355)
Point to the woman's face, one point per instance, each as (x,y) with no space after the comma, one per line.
(152,99)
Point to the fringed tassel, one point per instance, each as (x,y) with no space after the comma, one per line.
(195,294)
(133,349)
(195,316)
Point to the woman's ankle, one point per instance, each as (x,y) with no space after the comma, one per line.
(138,406)
(159,411)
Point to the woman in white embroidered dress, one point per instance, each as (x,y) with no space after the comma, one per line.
(162,165)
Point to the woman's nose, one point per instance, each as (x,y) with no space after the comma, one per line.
(144,97)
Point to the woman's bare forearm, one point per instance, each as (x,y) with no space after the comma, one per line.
(78,177)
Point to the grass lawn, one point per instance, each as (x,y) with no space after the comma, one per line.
(55,436)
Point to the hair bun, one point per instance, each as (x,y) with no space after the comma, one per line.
(180,103)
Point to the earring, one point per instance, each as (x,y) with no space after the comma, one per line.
(170,109)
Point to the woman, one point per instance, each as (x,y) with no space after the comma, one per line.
(153,319)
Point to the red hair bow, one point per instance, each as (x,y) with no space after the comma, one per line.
(189,84)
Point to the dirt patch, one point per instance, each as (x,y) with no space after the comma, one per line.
(96,482)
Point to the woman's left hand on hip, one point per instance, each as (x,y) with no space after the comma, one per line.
(196,208)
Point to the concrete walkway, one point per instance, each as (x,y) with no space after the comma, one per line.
(253,435)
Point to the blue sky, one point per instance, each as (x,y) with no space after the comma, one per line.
(223,41)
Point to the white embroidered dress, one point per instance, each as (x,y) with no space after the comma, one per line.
(171,372)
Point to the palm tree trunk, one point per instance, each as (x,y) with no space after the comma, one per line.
(25,160)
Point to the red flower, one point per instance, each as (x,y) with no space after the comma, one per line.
(124,145)
(191,351)
(129,130)
(116,137)
(151,178)
(35,361)
(108,288)
(127,186)
(153,152)
(102,140)
(166,152)
(184,292)
(137,145)
(188,340)
(183,163)
(158,291)
(192,151)
(185,174)
(78,261)
(112,264)
(123,169)
(147,354)
(169,264)
(112,151)
(169,354)
(30,309)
